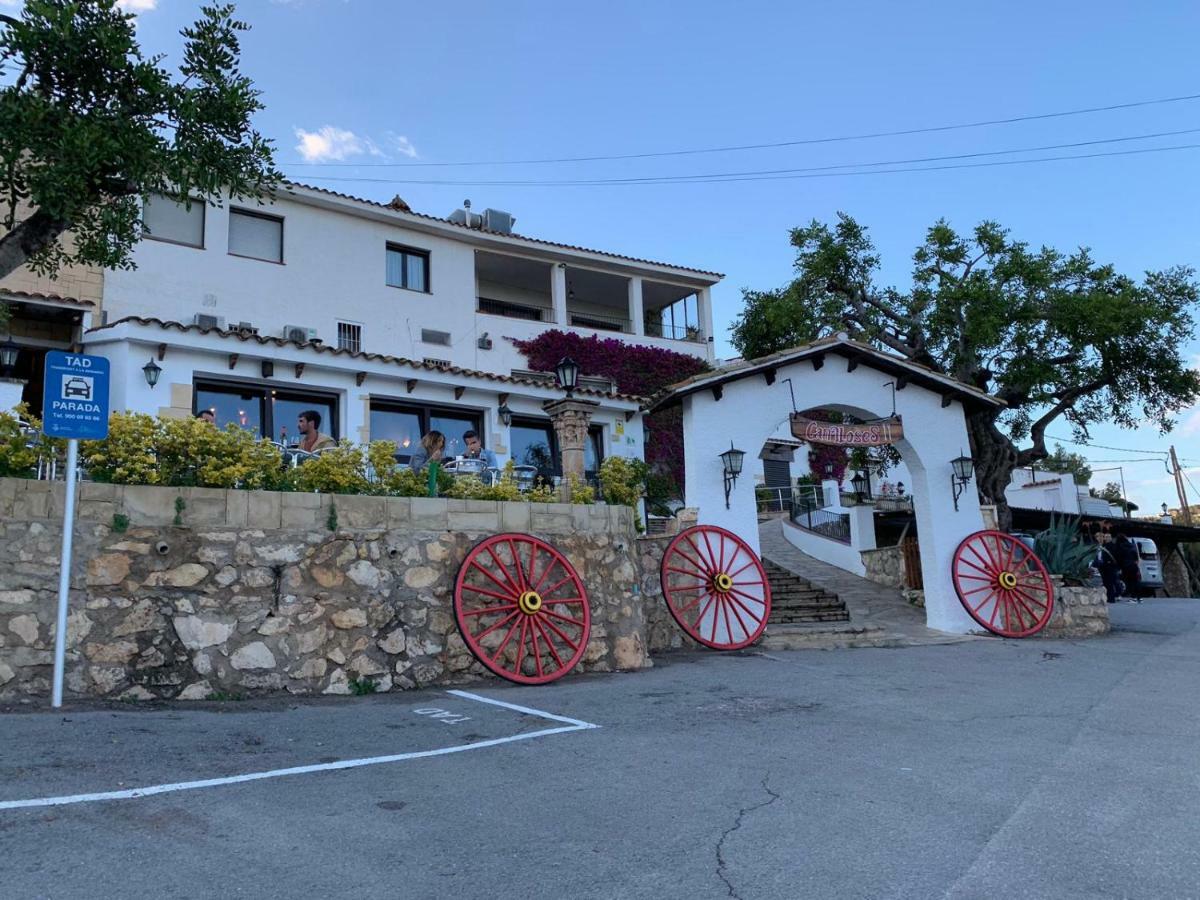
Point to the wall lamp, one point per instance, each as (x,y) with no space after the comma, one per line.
(859,483)
(731,464)
(567,374)
(9,352)
(505,415)
(152,370)
(963,467)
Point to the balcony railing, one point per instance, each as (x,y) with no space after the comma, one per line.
(514,310)
(601,323)
(826,523)
(674,332)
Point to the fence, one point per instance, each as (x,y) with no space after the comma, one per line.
(809,516)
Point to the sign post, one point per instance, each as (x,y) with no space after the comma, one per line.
(74,406)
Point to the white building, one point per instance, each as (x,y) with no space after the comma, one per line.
(387,322)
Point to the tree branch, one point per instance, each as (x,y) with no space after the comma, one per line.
(1037,431)
(29,238)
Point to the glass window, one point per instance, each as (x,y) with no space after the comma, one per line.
(408,268)
(268,412)
(349,336)
(406,423)
(255,235)
(167,220)
(593,451)
(242,407)
(532,444)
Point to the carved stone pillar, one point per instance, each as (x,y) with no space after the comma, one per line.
(571,418)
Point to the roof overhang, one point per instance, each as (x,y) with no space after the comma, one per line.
(855,352)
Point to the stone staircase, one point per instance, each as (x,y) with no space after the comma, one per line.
(797,601)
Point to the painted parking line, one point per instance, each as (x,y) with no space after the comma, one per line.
(568,726)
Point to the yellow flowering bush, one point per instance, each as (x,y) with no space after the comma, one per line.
(338,470)
(582,493)
(127,455)
(391,478)
(20,448)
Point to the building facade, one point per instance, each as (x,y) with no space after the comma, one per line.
(387,322)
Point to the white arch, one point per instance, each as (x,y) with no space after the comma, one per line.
(750,411)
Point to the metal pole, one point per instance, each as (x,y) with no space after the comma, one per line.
(1124,496)
(64,576)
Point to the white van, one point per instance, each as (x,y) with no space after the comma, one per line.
(1149,565)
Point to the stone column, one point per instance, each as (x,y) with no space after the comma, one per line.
(571,418)
(11,390)
(558,293)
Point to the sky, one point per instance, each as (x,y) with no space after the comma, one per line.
(383,90)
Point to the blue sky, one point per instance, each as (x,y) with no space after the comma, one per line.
(369,81)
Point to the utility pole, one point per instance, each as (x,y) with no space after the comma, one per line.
(1184,510)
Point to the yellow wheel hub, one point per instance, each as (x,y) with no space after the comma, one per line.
(1007,580)
(722,583)
(529,602)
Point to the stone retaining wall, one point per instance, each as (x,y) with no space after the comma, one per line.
(255,591)
(885,566)
(1078,611)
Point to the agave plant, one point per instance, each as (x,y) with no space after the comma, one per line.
(1063,550)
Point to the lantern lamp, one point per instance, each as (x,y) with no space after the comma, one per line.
(567,374)
(152,370)
(731,465)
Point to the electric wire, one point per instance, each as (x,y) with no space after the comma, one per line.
(778,144)
(733,177)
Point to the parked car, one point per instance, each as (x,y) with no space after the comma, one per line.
(1149,566)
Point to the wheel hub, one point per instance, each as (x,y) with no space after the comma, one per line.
(722,583)
(1007,580)
(529,602)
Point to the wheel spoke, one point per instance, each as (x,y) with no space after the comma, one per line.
(682,609)
(743,568)
(537,654)
(695,563)
(561,617)
(517,562)
(685,572)
(754,618)
(711,555)
(507,638)
(504,570)
(700,553)
(500,624)
(486,593)
(570,643)
(983,603)
(545,637)
(728,625)
(484,610)
(500,584)
(550,590)
(966,562)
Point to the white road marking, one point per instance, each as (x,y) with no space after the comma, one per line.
(151,790)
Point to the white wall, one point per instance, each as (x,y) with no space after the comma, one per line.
(844,556)
(750,411)
(333,268)
(1053,491)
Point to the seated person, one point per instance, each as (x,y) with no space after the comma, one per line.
(311,438)
(207,415)
(431,448)
(476,450)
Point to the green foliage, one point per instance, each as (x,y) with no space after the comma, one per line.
(1053,335)
(128,454)
(331,521)
(390,477)
(1112,493)
(360,687)
(89,126)
(581,492)
(1065,463)
(623,482)
(120,523)
(338,470)
(22,446)
(180,506)
(1062,549)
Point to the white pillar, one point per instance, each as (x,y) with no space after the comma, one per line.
(558,293)
(704,314)
(862,527)
(831,493)
(635,305)
(11,390)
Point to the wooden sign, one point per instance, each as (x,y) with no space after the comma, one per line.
(867,434)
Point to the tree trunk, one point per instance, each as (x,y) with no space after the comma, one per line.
(995,458)
(28,238)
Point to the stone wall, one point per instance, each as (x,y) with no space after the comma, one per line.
(885,566)
(1078,611)
(256,592)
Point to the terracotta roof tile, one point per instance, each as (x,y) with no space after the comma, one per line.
(320,347)
(52,298)
(520,237)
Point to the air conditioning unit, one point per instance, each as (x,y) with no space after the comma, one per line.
(209,323)
(499,221)
(300,334)
(245,328)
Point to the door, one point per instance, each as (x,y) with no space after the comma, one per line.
(777,478)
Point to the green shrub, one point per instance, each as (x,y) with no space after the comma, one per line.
(338,470)
(19,448)
(128,455)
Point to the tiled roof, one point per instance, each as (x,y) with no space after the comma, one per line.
(519,237)
(834,343)
(51,298)
(319,347)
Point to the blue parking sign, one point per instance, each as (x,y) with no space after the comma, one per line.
(75,397)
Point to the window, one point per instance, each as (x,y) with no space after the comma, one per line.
(531,442)
(255,235)
(429,336)
(177,223)
(408,268)
(349,336)
(593,451)
(268,412)
(405,423)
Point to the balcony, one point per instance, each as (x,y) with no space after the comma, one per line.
(513,287)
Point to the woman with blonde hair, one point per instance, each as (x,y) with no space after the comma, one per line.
(430,450)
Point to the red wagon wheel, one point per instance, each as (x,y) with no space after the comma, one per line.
(1002,584)
(522,609)
(715,588)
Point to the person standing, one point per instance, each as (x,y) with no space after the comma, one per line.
(1126,554)
(1106,565)
(311,438)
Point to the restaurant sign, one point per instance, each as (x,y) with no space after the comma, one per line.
(865,434)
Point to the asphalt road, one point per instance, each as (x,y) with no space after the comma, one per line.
(986,769)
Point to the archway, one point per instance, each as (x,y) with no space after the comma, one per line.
(745,406)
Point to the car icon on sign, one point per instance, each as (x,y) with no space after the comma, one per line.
(77,387)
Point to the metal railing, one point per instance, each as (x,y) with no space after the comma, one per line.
(674,332)
(514,310)
(824,522)
(601,323)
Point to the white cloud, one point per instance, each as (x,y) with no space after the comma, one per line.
(402,145)
(331,143)
(1191,425)
(137,6)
